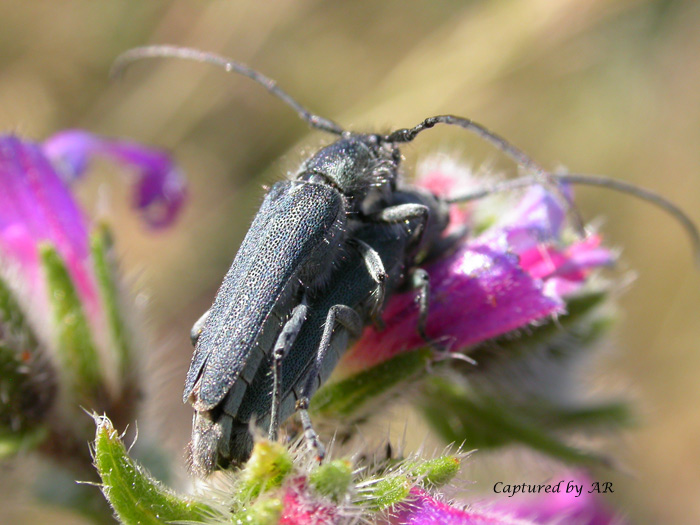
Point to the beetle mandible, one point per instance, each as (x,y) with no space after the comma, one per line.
(323,253)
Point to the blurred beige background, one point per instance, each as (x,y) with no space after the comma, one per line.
(610,87)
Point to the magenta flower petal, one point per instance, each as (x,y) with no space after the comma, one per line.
(478,293)
(423,509)
(37,207)
(160,188)
(442,177)
(582,256)
(34,195)
(539,210)
(18,248)
(572,263)
(564,271)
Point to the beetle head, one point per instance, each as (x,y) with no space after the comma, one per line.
(361,167)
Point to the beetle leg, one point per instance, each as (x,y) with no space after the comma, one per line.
(405,213)
(375,267)
(284,342)
(197,327)
(351,320)
(420,280)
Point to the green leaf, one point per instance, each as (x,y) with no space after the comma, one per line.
(354,394)
(391,483)
(461,415)
(100,246)
(134,495)
(79,360)
(604,415)
(513,395)
(263,512)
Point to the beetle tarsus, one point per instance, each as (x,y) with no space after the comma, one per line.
(310,436)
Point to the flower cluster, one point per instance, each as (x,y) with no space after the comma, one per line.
(516,272)
(495,298)
(517,298)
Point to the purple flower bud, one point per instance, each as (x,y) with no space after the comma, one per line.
(56,273)
(160,189)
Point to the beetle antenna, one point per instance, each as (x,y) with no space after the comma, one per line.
(516,154)
(592,180)
(230,66)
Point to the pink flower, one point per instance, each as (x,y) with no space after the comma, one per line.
(541,509)
(585,508)
(423,509)
(302,507)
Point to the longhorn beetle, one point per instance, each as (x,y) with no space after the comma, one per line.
(323,253)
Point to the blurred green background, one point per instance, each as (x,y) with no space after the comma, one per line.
(600,86)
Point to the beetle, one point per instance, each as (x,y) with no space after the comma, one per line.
(323,253)
(333,319)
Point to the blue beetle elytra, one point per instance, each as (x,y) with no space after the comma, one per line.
(265,262)
(323,253)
